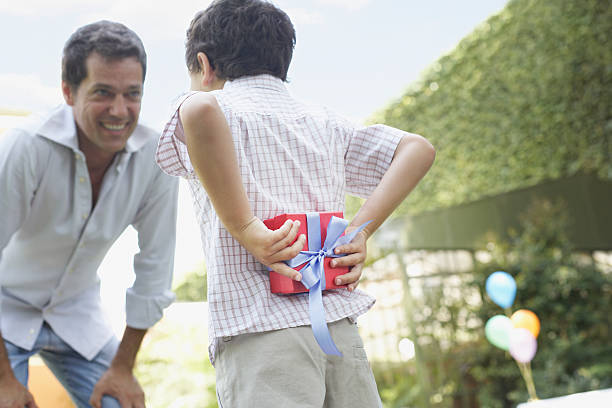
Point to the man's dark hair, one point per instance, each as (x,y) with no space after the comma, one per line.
(111,40)
(241,38)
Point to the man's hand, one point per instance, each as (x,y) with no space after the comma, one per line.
(271,248)
(356,252)
(14,395)
(120,383)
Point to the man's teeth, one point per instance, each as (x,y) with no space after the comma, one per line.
(114,127)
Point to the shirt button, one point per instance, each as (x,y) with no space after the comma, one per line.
(31,331)
(70,270)
(85,216)
(77,156)
(82,179)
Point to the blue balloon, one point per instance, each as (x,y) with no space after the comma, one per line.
(501,288)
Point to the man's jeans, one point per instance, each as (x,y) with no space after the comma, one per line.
(77,375)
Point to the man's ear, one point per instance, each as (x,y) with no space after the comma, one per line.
(68,93)
(208,74)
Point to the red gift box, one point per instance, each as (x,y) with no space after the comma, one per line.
(282,284)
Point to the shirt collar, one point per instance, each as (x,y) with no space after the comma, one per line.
(263,81)
(137,140)
(60,128)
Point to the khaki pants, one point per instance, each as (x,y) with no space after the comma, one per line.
(286,368)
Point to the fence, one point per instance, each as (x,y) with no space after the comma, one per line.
(422,333)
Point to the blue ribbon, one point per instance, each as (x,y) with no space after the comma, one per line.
(313,274)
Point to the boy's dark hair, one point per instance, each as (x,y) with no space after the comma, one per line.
(109,39)
(241,38)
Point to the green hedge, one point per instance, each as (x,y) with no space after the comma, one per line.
(193,287)
(524,98)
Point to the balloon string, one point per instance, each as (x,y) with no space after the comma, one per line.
(508,312)
(525,369)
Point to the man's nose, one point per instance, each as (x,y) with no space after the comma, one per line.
(119,107)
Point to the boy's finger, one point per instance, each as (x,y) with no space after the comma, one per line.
(283,269)
(357,244)
(351,248)
(352,286)
(348,260)
(291,251)
(347,249)
(351,277)
(287,238)
(282,231)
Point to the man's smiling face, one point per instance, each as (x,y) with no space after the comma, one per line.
(106,103)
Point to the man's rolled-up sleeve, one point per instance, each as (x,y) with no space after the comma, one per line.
(154,264)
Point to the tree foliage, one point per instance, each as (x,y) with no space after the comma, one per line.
(173,366)
(193,286)
(523,99)
(568,291)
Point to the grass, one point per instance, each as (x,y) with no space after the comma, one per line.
(173,366)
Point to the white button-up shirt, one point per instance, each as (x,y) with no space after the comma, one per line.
(52,242)
(293,159)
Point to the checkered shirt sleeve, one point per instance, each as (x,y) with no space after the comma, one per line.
(369,151)
(171,155)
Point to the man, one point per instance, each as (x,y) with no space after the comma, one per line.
(69,186)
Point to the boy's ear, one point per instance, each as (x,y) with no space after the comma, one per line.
(208,74)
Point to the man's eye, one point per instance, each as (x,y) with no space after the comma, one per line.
(101,92)
(135,94)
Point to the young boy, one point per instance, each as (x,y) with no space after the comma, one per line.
(251,152)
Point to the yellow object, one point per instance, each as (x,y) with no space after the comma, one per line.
(47,391)
(526,319)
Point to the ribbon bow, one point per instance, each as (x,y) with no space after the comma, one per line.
(313,274)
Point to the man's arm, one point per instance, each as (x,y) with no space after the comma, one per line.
(413,157)
(17,185)
(155,222)
(211,151)
(119,381)
(12,393)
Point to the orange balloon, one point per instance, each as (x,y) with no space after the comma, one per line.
(526,319)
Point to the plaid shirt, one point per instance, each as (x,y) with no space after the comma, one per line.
(293,158)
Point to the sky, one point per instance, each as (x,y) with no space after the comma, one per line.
(353,56)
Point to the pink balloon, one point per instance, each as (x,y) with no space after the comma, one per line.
(523,345)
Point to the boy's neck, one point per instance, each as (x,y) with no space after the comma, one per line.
(198,85)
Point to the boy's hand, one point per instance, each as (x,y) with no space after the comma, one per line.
(271,248)
(356,252)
